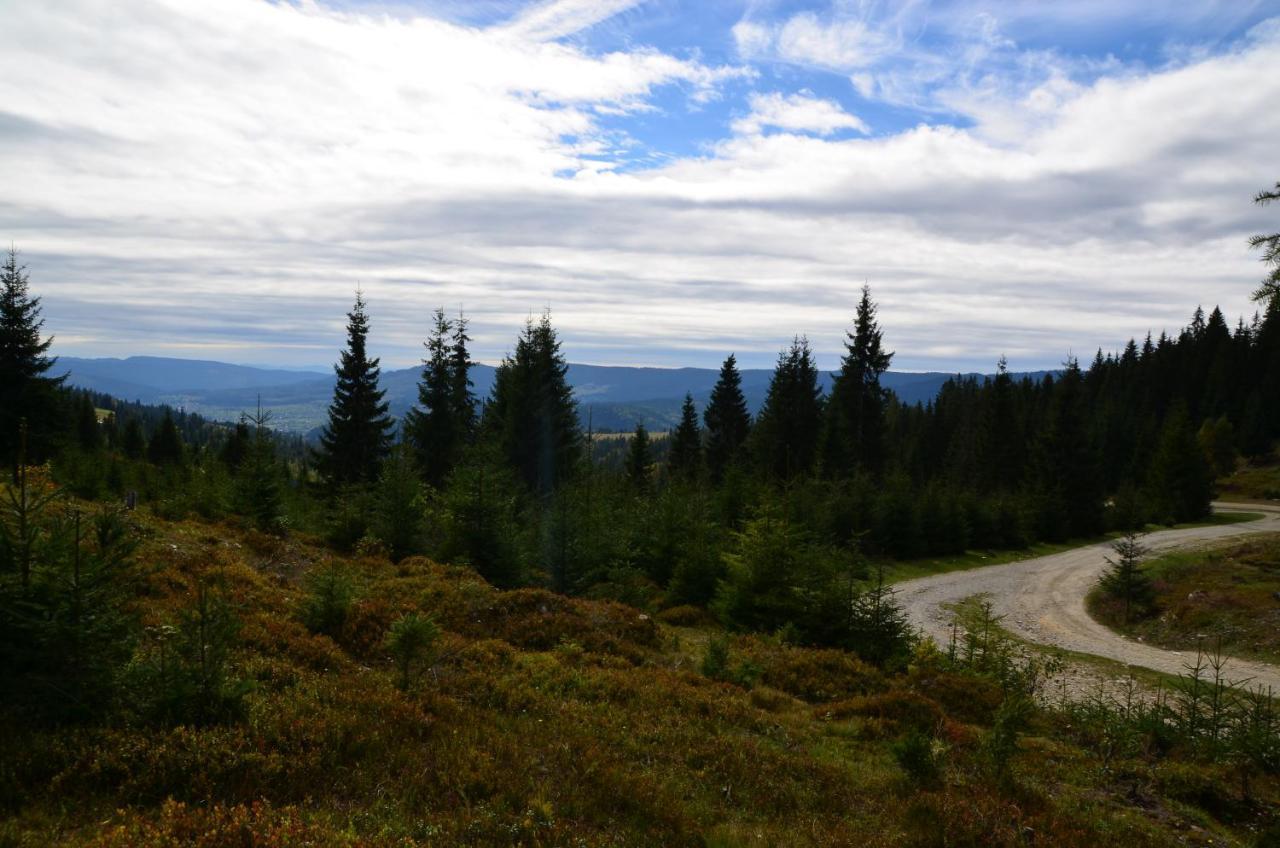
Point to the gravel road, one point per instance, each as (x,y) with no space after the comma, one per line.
(1042,599)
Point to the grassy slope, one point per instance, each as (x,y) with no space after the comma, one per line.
(549,721)
(1227,595)
(896,571)
(1252,482)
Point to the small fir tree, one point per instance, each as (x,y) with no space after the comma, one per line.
(1125,580)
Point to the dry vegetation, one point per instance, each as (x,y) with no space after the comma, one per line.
(544,720)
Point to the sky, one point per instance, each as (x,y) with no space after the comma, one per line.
(674,179)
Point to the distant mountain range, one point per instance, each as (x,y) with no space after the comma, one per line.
(609,397)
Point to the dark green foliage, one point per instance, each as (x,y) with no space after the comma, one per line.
(444,421)
(778,574)
(134,441)
(398,500)
(685,458)
(876,628)
(478,509)
(25,390)
(787,430)
(854,437)
(258,491)
(186,675)
(1069,484)
(410,642)
(237,445)
(639,460)
(330,593)
(532,416)
(88,430)
(166,446)
(358,434)
(919,756)
(718,664)
(727,420)
(1001,742)
(1125,581)
(1217,439)
(1180,482)
(65,581)
(1269,291)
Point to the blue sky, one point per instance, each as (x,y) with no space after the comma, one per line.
(674,180)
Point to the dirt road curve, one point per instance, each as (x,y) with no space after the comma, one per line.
(1042,599)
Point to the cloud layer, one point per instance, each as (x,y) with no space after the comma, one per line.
(216,179)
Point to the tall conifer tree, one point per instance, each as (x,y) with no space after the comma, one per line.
(855,420)
(727,419)
(166,445)
(532,414)
(685,458)
(25,391)
(432,426)
(639,458)
(358,434)
(790,423)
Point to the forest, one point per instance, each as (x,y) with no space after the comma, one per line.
(762,539)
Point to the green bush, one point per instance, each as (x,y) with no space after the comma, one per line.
(920,756)
(409,641)
(330,594)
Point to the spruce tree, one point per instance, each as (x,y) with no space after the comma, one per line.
(1269,292)
(790,422)
(88,430)
(166,445)
(531,414)
(727,420)
(685,457)
(1124,580)
(236,447)
(358,434)
(1069,478)
(25,391)
(1180,484)
(134,442)
(639,459)
(462,397)
(432,427)
(398,519)
(855,421)
(258,475)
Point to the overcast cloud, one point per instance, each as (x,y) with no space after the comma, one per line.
(215,179)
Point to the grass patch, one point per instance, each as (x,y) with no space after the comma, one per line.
(897,571)
(1227,595)
(1252,482)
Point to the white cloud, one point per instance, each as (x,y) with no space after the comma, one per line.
(224,174)
(800,112)
(558,18)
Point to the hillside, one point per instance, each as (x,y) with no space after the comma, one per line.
(609,397)
(537,719)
